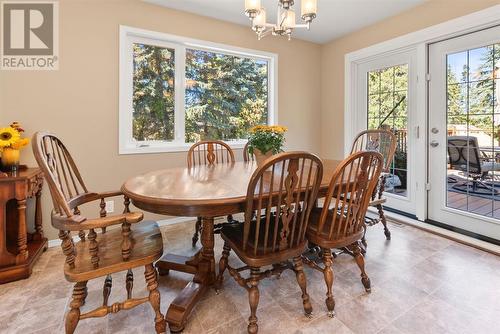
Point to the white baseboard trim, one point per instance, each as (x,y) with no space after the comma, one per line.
(463,239)
(163,222)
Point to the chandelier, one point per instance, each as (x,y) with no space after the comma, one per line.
(285,21)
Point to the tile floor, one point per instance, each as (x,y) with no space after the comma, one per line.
(421,283)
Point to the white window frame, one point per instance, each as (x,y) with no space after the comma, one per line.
(129,36)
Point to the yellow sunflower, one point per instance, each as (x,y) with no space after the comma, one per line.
(8,137)
(22,142)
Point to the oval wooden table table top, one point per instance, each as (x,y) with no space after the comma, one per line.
(206,191)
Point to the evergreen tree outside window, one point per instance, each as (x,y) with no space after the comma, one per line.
(175,91)
(154,77)
(226,95)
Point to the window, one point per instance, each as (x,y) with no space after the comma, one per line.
(387,109)
(176,91)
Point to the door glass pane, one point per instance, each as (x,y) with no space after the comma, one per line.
(473,130)
(387,109)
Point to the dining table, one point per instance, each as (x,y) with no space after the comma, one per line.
(206,191)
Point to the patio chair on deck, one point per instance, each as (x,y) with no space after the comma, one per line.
(464,155)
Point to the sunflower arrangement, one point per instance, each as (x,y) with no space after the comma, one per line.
(10,137)
(11,142)
(266,139)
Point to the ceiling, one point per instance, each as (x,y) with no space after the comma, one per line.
(335,17)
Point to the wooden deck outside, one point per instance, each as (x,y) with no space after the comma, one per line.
(474,204)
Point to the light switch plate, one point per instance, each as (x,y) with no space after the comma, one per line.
(110,206)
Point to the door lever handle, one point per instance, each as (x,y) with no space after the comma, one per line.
(434,143)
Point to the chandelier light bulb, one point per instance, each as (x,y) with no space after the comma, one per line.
(259,22)
(252,7)
(308,10)
(289,20)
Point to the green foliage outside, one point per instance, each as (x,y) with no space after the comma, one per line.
(225,95)
(386,89)
(153,87)
(473,93)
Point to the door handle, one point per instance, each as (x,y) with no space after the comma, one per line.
(434,143)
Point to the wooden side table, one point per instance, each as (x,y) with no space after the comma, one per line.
(19,249)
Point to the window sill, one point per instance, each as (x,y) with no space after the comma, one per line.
(171,148)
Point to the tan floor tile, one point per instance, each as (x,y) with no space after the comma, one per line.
(324,324)
(462,283)
(435,316)
(39,316)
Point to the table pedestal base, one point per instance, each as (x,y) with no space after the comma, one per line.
(201,265)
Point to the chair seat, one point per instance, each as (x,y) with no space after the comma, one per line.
(322,239)
(147,248)
(233,235)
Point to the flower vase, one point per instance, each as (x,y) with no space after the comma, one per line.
(261,157)
(10,159)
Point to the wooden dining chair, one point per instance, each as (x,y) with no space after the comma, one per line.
(97,254)
(284,189)
(340,222)
(246,155)
(384,142)
(209,152)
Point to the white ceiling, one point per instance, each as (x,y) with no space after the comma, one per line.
(335,17)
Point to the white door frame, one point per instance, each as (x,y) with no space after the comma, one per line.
(438,209)
(407,56)
(418,40)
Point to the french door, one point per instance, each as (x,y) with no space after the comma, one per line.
(386,100)
(464,132)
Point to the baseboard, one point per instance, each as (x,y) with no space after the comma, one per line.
(442,232)
(163,222)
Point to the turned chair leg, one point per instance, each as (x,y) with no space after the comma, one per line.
(154,298)
(363,240)
(129,283)
(329,277)
(222,266)
(106,290)
(73,316)
(360,260)
(381,214)
(301,279)
(253,299)
(197,231)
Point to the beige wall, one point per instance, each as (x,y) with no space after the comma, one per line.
(80,101)
(332,59)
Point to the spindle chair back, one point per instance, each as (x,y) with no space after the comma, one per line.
(285,190)
(348,196)
(209,152)
(112,252)
(280,197)
(384,142)
(378,140)
(340,223)
(246,155)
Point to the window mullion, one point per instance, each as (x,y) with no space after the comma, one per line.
(180,91)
